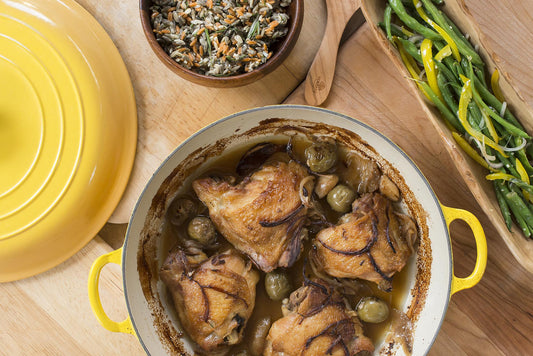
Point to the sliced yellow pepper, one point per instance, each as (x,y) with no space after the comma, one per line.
(522,171)
(499,175)
(443,53)
(464,100)
(407,59)
(406,32)
(410,64)
(490,125)
(429,66)
(495,85)
(525,178)
(469,150)
(440,30)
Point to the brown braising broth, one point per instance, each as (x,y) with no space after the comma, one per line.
(264,306)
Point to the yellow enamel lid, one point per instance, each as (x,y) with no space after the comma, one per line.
(68,133)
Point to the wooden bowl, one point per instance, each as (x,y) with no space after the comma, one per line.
(280,51)
(472,173)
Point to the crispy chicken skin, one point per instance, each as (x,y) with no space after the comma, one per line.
(359,172)
(263,215)
(214,297)
(372,242)
(317,321)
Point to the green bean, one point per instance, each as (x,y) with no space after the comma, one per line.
(478,99)
(411,48)
(506,213)
(509,126)
(480,73)
(450,76)
(521,155)
(464,49)
(522,185)
(387,20)
(512,199)
(475,117)
(411,22)
(448,115)
(507,164)
(448,61)
(456,29)
(446,94)
(458,70)
(395,30)
(520,210)
(491,100)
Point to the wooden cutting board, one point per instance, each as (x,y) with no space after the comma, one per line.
(50,315)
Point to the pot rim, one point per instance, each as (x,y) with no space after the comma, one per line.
(433,196)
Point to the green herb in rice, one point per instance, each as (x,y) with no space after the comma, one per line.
(219,37)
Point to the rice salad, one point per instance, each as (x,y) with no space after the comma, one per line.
(219,37)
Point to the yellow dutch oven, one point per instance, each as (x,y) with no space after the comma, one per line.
(151,319)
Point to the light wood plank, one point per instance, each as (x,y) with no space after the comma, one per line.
(50,314)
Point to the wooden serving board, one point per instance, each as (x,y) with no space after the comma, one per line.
(50,315)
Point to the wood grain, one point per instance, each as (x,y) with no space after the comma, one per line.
(50,314)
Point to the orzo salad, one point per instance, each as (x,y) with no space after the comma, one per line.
(219,37)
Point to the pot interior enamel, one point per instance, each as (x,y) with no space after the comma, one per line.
(429,283)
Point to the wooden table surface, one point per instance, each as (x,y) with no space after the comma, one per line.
(49,314)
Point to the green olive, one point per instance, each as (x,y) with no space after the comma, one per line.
(321,156)
(341,198)
(277,285)
(181,210)
(202,230)
(372,310)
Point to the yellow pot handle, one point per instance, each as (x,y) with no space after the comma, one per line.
(451,214)
(124,326)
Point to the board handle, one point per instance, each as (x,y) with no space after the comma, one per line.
(451,214)
(124,326)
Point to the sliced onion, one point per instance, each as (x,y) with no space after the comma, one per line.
(504,107)
(482,123)
(496,165)
(514,149)
(416,38)
(488,158)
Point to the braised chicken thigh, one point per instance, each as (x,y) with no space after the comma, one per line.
(263,215)
(372,242)
(317,321)
(214,297)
